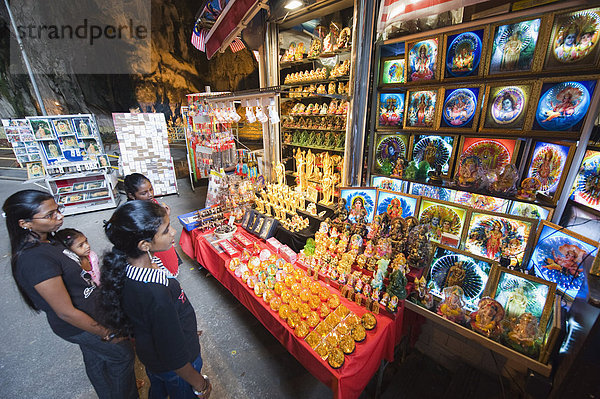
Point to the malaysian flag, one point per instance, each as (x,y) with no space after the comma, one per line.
(199,37)
(237,45)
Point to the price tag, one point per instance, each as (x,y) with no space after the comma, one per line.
(231,220)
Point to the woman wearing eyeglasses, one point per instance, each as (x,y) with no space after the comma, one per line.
(51,282)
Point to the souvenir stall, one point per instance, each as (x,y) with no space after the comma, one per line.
(66,152)
(481,123)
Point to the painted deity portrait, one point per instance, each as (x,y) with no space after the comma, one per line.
(421,109)
(574,39)
(514,46)
(391,109)
(464,54)
(586,189)
(459,107)
(422,60)
(436,150)
(393,71)
(562,106)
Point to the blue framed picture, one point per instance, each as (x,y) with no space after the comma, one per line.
(388,183)
(396,204)
(463,54)
(360,203)
(461,108)
(437,150)
(423,60)
(433,192)
(391,109)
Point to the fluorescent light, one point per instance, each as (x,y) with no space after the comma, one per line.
(293,4)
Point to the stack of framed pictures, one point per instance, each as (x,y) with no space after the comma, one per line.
(479,100)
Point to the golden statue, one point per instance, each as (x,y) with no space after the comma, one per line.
(327,190)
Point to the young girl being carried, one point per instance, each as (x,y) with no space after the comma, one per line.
(78,249)
(140,297)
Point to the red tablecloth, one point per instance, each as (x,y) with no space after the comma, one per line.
(359,367)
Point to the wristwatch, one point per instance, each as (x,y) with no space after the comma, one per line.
(202,393)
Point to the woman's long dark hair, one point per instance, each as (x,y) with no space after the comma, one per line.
(22,205)
(132,183)
(131,223)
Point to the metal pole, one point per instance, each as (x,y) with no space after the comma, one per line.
(362,45)
(26,60)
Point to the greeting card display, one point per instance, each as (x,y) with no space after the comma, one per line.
(586,189)
(562,106)
(396,204)
(532,211)
(506,106)
(563,257)
(446,220)
(481,202)
(388,148)
(451,267)
(495,235)
(574,40)
(513,47)
(388,183)
(433,192)
(423,60)
(461,108)
(421,109)
(391,109)
(21,138)
(548,164)
(463,54)
(438,151)
(393,70)
(360,203)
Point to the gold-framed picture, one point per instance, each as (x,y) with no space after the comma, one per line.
(460,107)
(487,154)
(447,221)
(397,204)
(393,70)
(439,150)
(464,53)
(507,106)
(422,110)
(423,60)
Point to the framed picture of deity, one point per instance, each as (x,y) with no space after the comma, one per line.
(421,109)
(446,220)
(451,266)
(42,129)
(481,202)
(391,110)
(586,189)
(396,204)
(360,203)
(573,43)
(390,184)
(498,236)
(485,154)
(83,128)
(432,192)
(520,293)
(562,106)
(464,54)
(549,163)
(389,148)
(507,107)
(529,210)
(423,60)
(460,108)
(438,150)
(393,70)
(515,46)
(563,257)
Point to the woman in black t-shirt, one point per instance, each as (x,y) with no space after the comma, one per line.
(51,282)
(140,296)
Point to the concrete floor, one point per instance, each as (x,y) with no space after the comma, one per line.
(242,358)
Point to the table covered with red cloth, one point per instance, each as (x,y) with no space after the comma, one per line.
(346,382)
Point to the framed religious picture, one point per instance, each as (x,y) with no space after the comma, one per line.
(51,150)
(506,106)
(360,203)
(421,109)
(396,204)
(390,184)
(463,53)
(563,257)
(438,150)
(83,128)
(389,148)
(563,105)
(481,155)
(103,161)
(529,210)
(549,163)
(35,170)
(481,202)
(451,266)
(42,129)
(446,220)
(520,293)
(68,142)
(514,47)
(573,42)
(423,60)
(63,127)
(393,70)
(498,236)
(461,108)
(391,110)
(586,189)
(432,192)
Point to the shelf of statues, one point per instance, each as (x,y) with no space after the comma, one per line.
(329,43)
(340,71)
(315,139)
(369,263)
(280,201)
(339,90)
(334,108)
(340,150)
(501,183)
(318,129)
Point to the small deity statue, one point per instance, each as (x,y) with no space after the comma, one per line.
(506,179)
(397,286)
(385,299)
(486,320)
(393,305)
(341,213)
(380,274)
(411,171)
(422,297)
(327,189)
(523,334)
(456,275)
(399,167)
(280,173)
(374,227)
(452,305)
(529,188)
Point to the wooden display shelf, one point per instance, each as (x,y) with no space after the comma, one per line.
(444,184)
(322,116)
(315,148)
(308,60)
(543,369)
(315,82)
(315,96)
(306,128)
